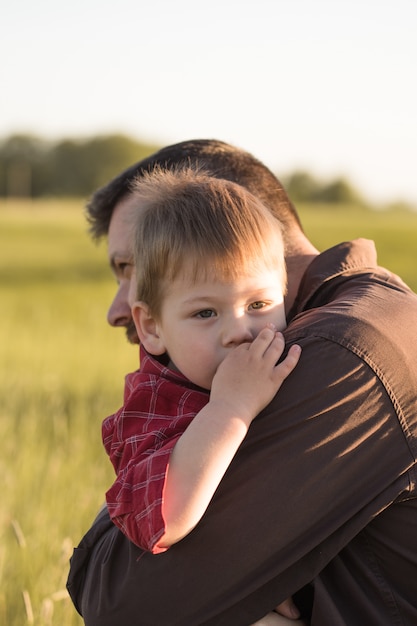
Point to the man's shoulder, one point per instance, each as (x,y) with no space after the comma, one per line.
(365,311)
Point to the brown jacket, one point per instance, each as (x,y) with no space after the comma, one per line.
(322,490)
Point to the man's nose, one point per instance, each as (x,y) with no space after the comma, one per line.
(119,313)
(236,331)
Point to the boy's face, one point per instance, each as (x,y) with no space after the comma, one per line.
(202,321)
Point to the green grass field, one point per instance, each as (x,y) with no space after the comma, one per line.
(62,372)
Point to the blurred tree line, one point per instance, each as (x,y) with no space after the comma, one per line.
(303,187)
(32,167)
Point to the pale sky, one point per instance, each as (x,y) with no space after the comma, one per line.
(325,85)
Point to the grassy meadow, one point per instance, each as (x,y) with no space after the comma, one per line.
(62,372)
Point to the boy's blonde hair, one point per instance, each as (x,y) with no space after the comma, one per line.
(214,226)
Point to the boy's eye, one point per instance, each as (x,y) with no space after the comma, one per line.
(206,313)
(257,305)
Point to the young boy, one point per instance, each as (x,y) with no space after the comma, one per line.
(209,302)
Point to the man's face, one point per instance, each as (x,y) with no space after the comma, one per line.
(121,262)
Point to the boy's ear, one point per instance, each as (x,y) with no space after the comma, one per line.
(147,329)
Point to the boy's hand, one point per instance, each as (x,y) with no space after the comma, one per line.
(249,376)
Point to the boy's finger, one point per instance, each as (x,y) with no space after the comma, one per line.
(266,339)
(291,360)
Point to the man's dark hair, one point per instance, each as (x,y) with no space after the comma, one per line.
(222,160)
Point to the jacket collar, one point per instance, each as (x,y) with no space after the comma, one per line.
(344,259)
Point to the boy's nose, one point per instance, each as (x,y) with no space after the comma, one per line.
(237,331)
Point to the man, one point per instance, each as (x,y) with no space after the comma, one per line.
(323,488)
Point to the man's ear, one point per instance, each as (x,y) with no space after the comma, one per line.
(147,329)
